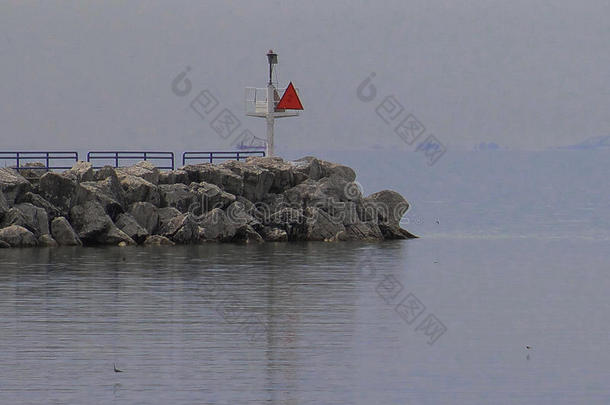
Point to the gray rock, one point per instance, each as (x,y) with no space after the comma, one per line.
(32,171)
(320,225)
(3,205)
(47,241)
(174,177)
(317,169)
(238,214)
(146,214)
(247,234)
(94,226)
(115,236)
(271,234)
(291,220)
(390,231)
(131,227)
(209,196)
(158,240)
(306,194)
(59,190)
(217,226)
(18,236)
(137,189)
(181,229)
(362,231)
(285,175)
(142,169)
(81,171)
(104,172)
(257,181)
(63,233)
(13,185)
(166,214)
(14,216)
(37,220)
(385,206)
(218,175)
(35,199)
(178,196)
(107,192)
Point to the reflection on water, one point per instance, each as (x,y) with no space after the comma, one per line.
(305,323)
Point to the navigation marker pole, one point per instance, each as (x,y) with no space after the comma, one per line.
(267,104)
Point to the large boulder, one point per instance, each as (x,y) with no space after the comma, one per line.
(218,175)
(306,194)
(131,227)
(291,220)
(209,196)
(59,190)
(14,216)
(180,229)
(285,174)
(174,176)
(178,196)
(165,215)
(37,220)
(32,171)
(144,170)
(94,226)
(146,214)
(63,233)
(47,241)
(13,185)
(386,207)
(81,171)
(317,169)
(362,231)
(35,199)
(257,181)
(272,234)
(390,231)
(105,172)
(4,207)
(247,234)
(137,189)
(18,236)
(239,214)
(216,226)
(319,225)
(107,192)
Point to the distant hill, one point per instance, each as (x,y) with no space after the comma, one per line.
(597,142)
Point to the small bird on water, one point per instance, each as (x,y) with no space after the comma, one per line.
(116,370)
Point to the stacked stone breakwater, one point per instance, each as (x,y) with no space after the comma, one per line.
(257,200)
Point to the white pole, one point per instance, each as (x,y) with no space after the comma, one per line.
(270,118)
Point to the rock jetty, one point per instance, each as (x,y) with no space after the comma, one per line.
(257,200)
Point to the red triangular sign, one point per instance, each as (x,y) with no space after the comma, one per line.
(290,100)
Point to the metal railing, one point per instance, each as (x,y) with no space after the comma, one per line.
(48,159)
(211,156)
(117,156)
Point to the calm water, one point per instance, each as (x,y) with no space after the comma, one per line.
(317,323)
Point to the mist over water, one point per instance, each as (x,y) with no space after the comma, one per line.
(518,257)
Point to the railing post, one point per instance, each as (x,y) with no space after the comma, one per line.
(17,161)
(116,159)
(145,156)
(211,157)
(47,161)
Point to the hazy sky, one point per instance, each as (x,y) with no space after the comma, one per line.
(97,74)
